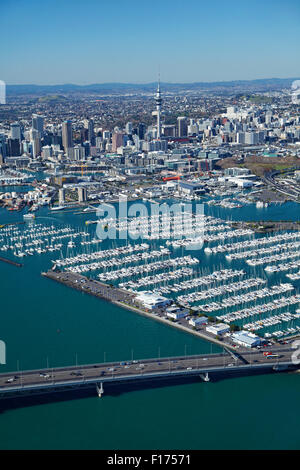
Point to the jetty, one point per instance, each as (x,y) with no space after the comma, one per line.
(9,261)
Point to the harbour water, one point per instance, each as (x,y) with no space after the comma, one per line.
(45,324)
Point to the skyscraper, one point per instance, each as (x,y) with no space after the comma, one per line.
(89,125)
(141,130)
(2,146)
(182,126)
(38,123)
(67,139)
(129,128)
(117,141)
(35,142)
(15,131)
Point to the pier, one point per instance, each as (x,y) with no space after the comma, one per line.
(100,377)
(9,261)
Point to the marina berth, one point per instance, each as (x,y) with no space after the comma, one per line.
(157,263)
(222,290)
(260,310)
(249,297)
(141,269)
(255,243)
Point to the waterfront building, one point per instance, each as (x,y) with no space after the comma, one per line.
(198,321)
(218,329)
(82,194)
(152,301)
(246,339)
(61,196)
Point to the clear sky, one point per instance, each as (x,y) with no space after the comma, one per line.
(97,41)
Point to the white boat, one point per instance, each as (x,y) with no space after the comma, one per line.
(28,216)
(57,208)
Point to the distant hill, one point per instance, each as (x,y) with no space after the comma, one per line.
(260,85)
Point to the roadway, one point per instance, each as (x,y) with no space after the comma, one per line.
(291,190)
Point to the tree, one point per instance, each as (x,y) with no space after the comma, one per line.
(234,327)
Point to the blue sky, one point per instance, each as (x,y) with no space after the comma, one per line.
(97,41)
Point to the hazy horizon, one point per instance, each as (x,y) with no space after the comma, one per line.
(152,82)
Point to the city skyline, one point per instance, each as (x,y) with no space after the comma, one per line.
(98,43)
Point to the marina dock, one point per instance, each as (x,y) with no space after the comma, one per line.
(9,261)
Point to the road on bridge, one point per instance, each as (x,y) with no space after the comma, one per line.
(186,364)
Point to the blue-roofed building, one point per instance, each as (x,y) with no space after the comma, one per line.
(246,339)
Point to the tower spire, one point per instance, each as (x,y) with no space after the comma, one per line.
(158,100)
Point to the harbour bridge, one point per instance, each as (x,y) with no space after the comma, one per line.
(146,372)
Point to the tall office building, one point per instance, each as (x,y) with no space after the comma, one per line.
(15,131)
(61,196)
(67,138)
(13,147)
(38,123)
(182,126)
(35,142)
(141,130)
(117,141)
(82,194)
(129,128)
(89,125)
(2,147)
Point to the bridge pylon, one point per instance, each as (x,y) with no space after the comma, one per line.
(205,377)
(100,389)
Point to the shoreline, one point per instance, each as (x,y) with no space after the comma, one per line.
(56,276)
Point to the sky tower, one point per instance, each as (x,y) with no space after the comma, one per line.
(158,100)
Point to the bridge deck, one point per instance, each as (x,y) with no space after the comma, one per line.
(152,369)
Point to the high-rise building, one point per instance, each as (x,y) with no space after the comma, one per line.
(82,194)
(169,130)
(182,126)
(117,141)
(13,147)
(47,151)
(129,128)
(35,142)
(141,130)
(15,131)
(38,123)
(2,146)
(79,152)
(67,138)
(89,125)
(61,196)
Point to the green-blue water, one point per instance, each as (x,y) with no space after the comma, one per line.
(44,322)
